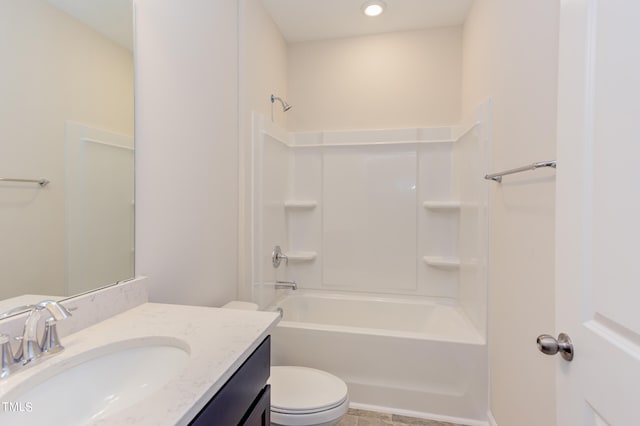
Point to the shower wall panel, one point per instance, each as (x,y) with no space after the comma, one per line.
(471,161)
(369,218)
(381,211)
(270,182)
(437,228)
(305,225)
(369,229)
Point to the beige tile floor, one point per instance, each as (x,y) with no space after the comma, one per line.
(372,418)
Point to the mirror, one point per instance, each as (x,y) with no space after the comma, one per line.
(66,115)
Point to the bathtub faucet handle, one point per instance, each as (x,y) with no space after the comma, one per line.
(277,256)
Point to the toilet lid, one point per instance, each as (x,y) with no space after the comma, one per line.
(305,390)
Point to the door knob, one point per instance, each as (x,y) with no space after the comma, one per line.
(550,346)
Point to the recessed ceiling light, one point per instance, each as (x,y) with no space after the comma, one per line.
(373,8)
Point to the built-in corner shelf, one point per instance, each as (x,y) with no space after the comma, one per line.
(300,205)
(441,205)
(301,256)
(442,262)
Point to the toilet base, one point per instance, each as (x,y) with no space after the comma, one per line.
(325,418)
(333,423)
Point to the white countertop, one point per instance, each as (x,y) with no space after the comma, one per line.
(219,341)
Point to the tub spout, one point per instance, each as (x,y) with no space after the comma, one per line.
(283,284)
(287,284)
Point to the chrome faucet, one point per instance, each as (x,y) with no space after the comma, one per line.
(30,347)
(283,284)
(7,359)
(287,284)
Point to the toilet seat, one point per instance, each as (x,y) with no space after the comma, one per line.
(306,396)
(304,411)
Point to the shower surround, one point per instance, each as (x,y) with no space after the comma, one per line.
(378,215)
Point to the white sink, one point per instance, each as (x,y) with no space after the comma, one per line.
(95,384)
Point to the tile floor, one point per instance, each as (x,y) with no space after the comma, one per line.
(372,418)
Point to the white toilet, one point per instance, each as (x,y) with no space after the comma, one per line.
(302,396)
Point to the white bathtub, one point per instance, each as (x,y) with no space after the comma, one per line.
(414,357)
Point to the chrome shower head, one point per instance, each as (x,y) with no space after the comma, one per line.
(285,106)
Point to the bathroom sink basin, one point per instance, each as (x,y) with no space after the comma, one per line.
(96,384)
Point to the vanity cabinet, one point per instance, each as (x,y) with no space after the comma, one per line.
(246,398)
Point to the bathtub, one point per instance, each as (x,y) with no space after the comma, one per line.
(421,358)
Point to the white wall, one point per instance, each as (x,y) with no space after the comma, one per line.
(262,72)
(510,54)
(53,69)
(187,149)
(394,80)
(470,160)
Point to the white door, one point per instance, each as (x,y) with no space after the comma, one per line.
(598,212)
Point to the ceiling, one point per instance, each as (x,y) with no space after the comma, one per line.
(111,18)
(307,20)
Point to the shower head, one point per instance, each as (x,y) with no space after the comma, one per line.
(285,106)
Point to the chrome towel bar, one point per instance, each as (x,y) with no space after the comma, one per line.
(41,182)
(498,176)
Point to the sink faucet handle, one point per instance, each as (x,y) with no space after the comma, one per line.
(7,359)
(56,310)
(50,340)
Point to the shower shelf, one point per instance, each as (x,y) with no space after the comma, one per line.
(441,205)
(301,256)
(300,205)
(442,262)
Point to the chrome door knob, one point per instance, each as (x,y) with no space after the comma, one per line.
(550,346)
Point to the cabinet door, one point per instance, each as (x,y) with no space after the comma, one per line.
(260,413)
(230,405)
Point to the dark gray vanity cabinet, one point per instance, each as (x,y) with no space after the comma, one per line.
(246,398)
